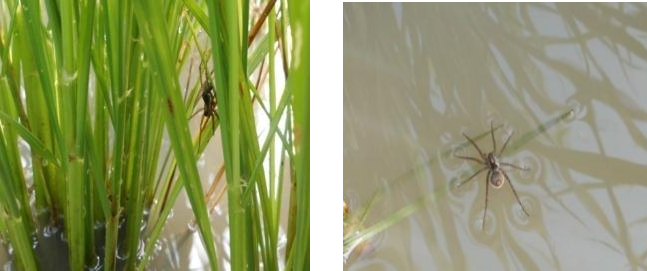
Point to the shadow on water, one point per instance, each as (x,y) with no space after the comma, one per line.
(416,76)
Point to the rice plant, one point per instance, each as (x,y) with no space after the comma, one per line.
(90,91)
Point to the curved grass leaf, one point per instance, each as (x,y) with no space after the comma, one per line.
(34,143)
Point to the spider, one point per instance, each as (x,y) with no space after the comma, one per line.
(209,110)
(209,100)
(496,175)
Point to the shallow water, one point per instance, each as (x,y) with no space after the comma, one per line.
(416,76)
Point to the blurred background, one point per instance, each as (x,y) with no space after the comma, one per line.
(569,79)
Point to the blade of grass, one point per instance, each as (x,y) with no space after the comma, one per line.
(156,44)
(37,109)
(274,122)
(271,26)
(34,143)
(74,92)
(13,163)
(21,240)
(37,45)
(134,192)
(75,214)
(223,22)
(14,206)
(116,18)
(12,190)
(197,12)
(299,251)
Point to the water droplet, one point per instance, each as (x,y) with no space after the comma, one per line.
(50,230)
(158,247)
(143,225)
(96,265)
(578,111)
(170,214)
(122,222)
(122,253)
(192,226)
(34,241)
(141,248)
(98,225)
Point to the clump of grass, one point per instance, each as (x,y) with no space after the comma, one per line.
(92,88)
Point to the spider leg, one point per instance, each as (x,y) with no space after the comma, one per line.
(506,143)
(514,166)
(196,112)
(470,158)
(515,192)
(487,189)
(213,123)
(471,177)
(203,124)
(475,146)
(492,133)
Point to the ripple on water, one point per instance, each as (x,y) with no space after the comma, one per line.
(578,111)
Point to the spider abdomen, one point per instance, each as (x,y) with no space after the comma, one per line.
(496,178)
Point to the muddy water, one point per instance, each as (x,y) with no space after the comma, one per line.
(570,80)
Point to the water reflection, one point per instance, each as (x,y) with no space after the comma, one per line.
(418,75)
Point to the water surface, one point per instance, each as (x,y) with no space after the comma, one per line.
(416,76)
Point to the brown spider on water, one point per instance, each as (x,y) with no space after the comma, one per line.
(496,175)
